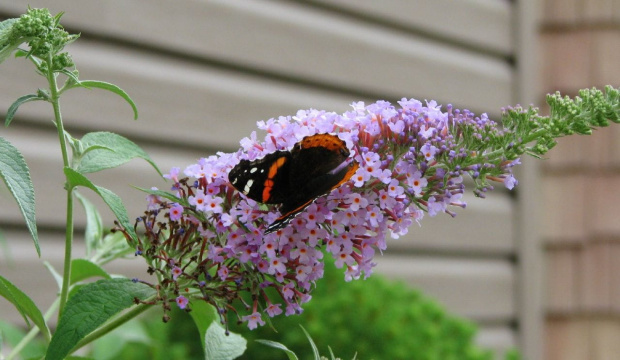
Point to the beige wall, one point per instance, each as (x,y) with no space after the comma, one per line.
(203,72)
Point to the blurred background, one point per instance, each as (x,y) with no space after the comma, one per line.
(535,269)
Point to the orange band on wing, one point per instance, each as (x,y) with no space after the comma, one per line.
(273,170)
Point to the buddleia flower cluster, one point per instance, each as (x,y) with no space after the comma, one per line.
(204,241)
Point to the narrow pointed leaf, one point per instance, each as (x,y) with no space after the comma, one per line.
(315,350)
(72,77)
(13,108)
(55,274)
(165,195)
(110,87)
(123,150)
(291,355)
(82,269)
(14,171)
(89,308)
(24,305)
(94,225)
(111,199)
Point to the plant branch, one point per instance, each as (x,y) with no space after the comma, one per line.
(54,99)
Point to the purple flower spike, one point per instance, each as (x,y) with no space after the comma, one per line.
(412,160)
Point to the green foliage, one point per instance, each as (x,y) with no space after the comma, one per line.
(115,203)
(16,175)
(525,131)
(216,341)
(373,318)
(89,308)
(592,108)
(24,304)
(151,339)
(105,150)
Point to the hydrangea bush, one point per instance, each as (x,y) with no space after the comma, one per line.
(206,244)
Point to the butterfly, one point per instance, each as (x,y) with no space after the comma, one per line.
(295,178)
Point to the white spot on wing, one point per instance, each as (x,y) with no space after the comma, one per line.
(248,186)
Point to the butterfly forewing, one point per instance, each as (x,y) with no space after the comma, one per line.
(257,179)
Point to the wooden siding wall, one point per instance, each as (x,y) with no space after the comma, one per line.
(203,72)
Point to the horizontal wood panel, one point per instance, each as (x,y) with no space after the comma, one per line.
(204,107)
(482,23)
(481,289)
(467,288)
(293,40)
(484,227)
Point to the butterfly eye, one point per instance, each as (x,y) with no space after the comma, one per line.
(344,152)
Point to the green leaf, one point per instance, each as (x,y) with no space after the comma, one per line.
(165,195)
(55,274)
(83,269)
(97,159)
(217,345)
(14,171)
(291,355)
(315,350)
(72,76)
(93,233)
(111,199)
(110,87)
(89,308)
(24,304)
(6,48)
(5,30)
(13,108)
(203,315)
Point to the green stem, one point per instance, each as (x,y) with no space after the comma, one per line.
(66,278)
(32,333)
(54,99)
(137,310)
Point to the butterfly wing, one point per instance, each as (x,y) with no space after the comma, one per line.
(264,180)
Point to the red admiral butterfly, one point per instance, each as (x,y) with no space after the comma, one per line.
(315,166)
